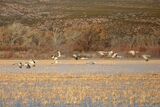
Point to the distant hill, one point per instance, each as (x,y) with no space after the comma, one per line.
(32,11)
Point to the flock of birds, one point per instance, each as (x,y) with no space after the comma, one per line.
(133,53)
(28,64)
(55,57)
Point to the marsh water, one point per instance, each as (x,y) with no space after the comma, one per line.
(86,68)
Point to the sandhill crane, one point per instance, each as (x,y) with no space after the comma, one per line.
(27,65)
(56,56)
(102,53)
(76,56)
(110,53)
(32,63)
(81,56)
(118,56)
(114,55)
(133,52)
(19,64)
(146,57)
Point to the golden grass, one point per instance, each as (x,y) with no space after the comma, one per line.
(53,89)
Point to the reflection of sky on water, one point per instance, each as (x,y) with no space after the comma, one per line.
(86,68)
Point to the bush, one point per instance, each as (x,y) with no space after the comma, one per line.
(80,35)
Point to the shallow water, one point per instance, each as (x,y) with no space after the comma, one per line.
(86,68)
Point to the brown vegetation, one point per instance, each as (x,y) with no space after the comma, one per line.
(80,35)
(55,89)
